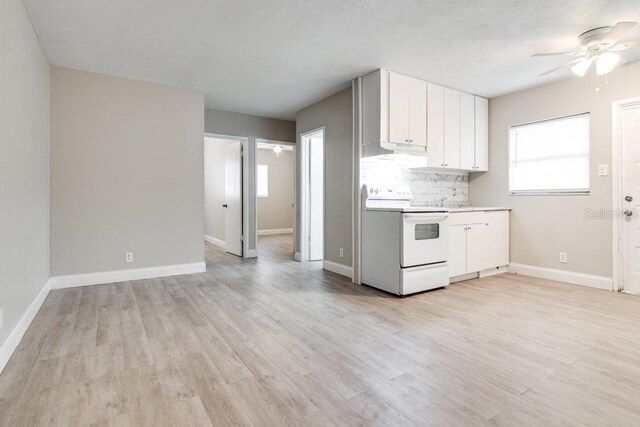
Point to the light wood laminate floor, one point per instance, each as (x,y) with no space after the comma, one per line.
(275,342)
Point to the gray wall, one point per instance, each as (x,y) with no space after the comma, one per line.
(252,127)
(223,122)
(543,226)
(24,164)
(214,186)
(126,173)
(336,115)
(276,211)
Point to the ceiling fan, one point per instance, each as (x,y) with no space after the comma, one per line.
(599,45)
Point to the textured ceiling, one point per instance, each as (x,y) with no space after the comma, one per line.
(274,57)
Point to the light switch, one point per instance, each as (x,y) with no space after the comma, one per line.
(603,170)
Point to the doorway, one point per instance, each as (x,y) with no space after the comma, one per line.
(275,194)
(224,192)
(627,197)
(312,186)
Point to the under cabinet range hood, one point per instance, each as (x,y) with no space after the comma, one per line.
(393,114)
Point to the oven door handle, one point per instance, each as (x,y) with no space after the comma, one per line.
(425,217)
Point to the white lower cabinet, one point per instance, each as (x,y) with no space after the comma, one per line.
(457,250)
(478,241)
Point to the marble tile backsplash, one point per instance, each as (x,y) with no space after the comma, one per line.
(429,188)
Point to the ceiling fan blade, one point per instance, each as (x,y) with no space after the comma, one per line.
(560,54)
(625,45)
(617,32)
(575,61)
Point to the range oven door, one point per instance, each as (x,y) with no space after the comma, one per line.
(425,238)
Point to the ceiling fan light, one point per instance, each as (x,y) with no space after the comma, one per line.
(606,63)
(582,67)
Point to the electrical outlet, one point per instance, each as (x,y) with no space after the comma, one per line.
(563,257)
(341,252)
(128,257)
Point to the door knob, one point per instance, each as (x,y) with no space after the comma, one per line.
(225,205)
(629,199)
(628,212)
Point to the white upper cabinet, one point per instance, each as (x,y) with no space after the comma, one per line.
(451,129)
(435,125)
(482,134)
(467,131)
(399,94)
(403,114)
(417,112)
(394,113)
(407,111)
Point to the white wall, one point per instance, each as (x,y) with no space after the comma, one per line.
(544,226)
(276,211)
(127,168)
(214,186)
(24,164)
(335,113)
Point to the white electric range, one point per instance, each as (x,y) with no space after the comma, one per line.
(404,248)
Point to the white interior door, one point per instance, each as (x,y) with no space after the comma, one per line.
(316,198)
(630,138)
(233,198)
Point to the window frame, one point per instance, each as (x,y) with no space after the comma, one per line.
(262,196)
(547,192)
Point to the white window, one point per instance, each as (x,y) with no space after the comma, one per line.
(551,156)
(262,181)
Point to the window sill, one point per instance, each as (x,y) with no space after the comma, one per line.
(550,193)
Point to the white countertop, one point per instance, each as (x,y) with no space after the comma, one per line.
(417,209)
(478,209)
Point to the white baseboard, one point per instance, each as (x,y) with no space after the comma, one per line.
(74,280)
(11,342)
(275,231)
(342,269)
(599,282)
(214,241)
(297,256)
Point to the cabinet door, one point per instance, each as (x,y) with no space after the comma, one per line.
(457,250)
(418,112)
(452,129)
(399,90)
(435,125)
(467,132)
(482,134)
(497,245)
(477,242)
